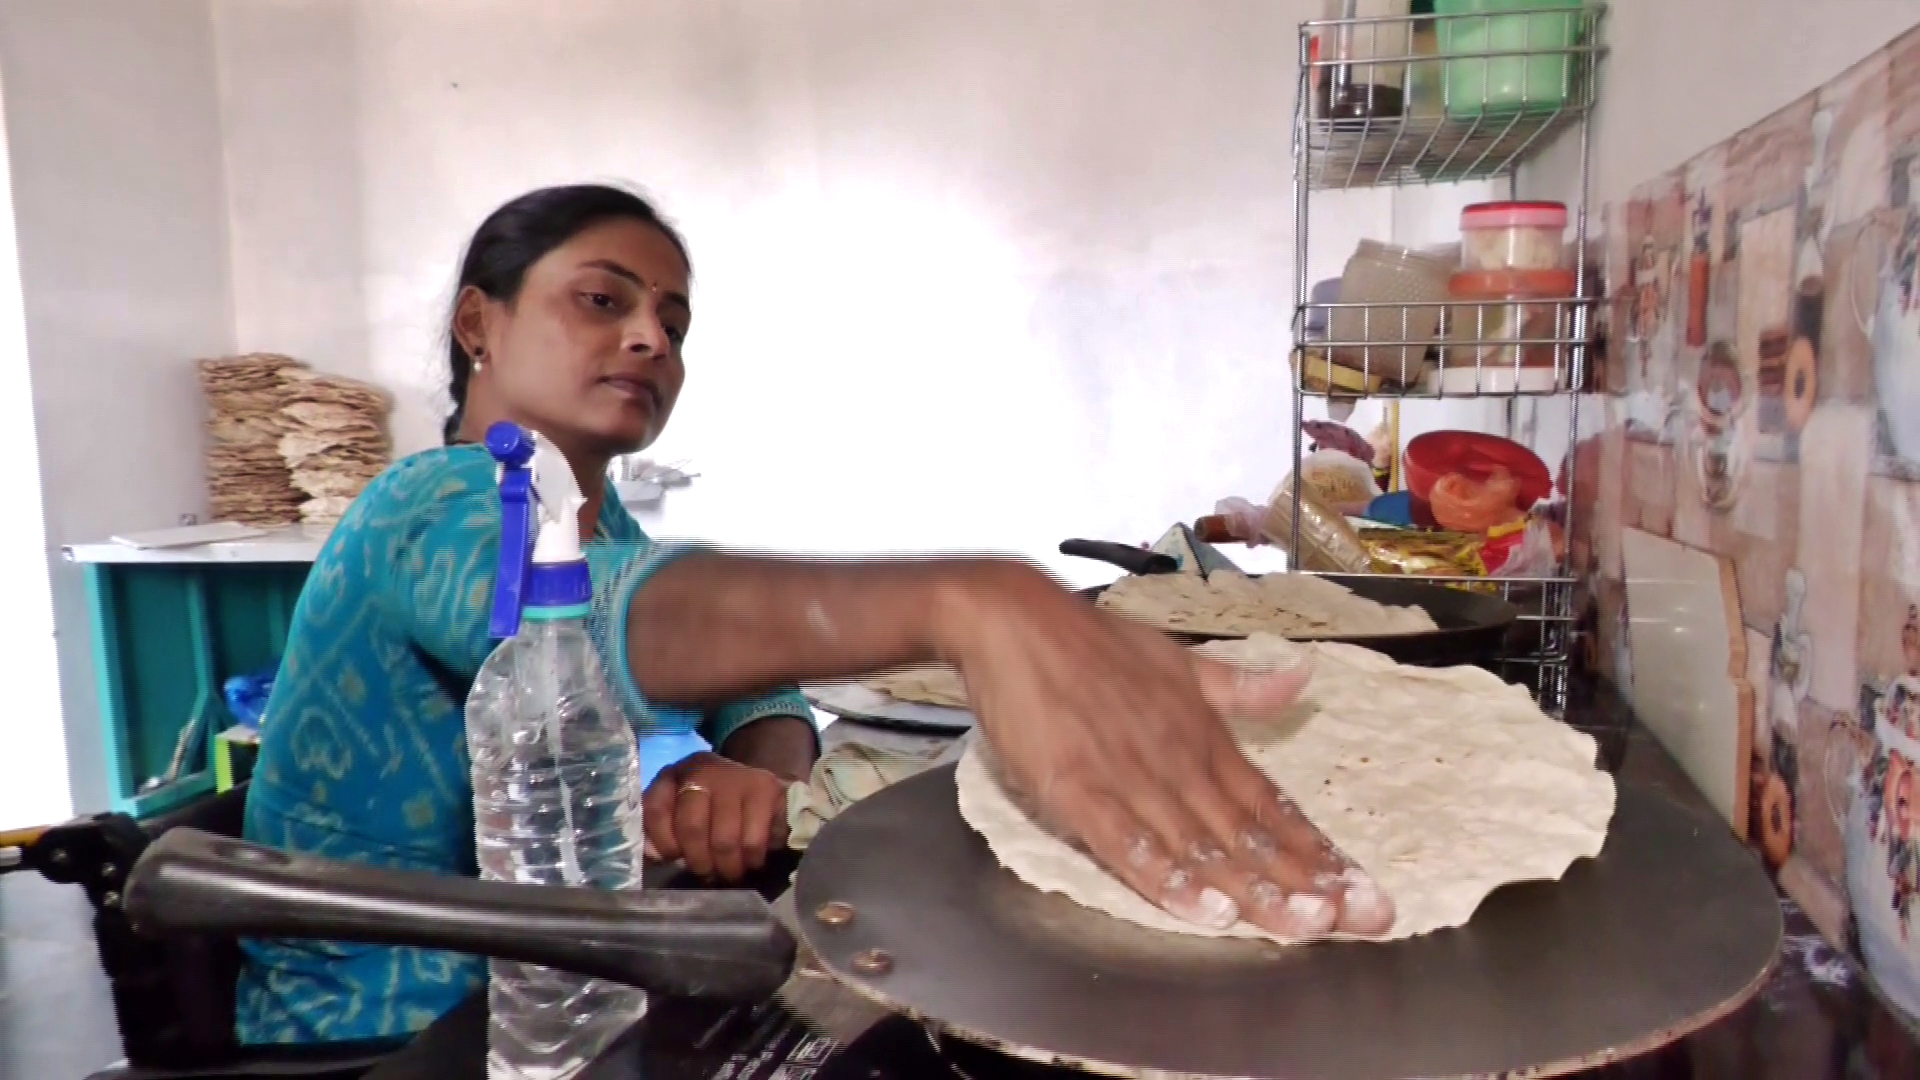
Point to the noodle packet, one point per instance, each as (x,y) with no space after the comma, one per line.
(1424,553)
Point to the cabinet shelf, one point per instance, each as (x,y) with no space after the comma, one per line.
(1489,98)
(1377,356)
(1424,99)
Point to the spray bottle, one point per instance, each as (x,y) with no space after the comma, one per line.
(555,772)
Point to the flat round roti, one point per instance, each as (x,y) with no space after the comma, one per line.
(1234,605)
(1443,783)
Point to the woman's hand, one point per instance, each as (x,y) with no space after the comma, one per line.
(717,816)
(1114,737)
(1112,733)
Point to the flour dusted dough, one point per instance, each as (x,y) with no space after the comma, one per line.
(1226,603)
(938,685)
(1444,784)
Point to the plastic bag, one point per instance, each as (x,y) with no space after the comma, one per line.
(1462,504)
(1327,542)
(1239,521)
(1533,555)
(1338,481)
(246,695)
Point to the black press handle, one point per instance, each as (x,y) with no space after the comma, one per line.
(1131,559)
(679,943)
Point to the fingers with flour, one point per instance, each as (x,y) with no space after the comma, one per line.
(1132,850)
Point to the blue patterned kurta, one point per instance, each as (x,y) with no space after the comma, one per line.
(363,751)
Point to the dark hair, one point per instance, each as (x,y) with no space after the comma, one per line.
(520,234)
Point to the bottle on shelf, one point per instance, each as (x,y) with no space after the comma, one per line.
(556,786)
(1369,81)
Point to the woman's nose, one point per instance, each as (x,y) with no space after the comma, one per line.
(645,335)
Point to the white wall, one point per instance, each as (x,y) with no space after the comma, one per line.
(119,197)
(967,275)
(30,792)
(1686,74)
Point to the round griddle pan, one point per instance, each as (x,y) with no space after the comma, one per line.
(1472,625)
(1673,926)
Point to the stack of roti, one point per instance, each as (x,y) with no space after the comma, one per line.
(247,480)
(1231,604)
(1442,783)
(334,439)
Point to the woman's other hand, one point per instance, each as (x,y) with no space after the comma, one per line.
(718,817)
(1114,737)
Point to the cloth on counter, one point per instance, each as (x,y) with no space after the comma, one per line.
(859,763)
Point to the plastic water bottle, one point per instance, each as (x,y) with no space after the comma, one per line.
(556,786)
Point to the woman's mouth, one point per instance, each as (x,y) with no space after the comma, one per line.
(635,388)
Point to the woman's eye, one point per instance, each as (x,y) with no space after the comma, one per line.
(676,334)
(599,300)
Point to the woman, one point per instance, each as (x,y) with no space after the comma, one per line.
(572,310)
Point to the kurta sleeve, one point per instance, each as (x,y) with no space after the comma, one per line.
(720,723)
(439,515)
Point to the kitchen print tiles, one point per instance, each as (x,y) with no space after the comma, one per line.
(1762,563)
(1834,456)
(1650,487)
(1901,117)
(1851,177)
(1767,163)
(1692,514)
(1891,323)
(1777,425)
(1889,575)
(1609,503)
(1845,361)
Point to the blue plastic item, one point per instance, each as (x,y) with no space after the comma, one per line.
(1393,508)
(246,695)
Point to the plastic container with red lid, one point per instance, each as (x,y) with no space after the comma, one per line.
(1513,236)
(1492,313)
(1474,455)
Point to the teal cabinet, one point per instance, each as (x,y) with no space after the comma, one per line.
(168,627)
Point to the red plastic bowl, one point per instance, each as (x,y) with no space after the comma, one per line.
(1437,453)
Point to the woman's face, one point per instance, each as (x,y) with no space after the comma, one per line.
(589,352)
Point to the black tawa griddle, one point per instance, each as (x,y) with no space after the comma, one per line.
(1674,925)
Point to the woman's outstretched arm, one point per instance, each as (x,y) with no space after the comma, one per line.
(1112,735)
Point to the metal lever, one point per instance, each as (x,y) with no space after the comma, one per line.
(711,944)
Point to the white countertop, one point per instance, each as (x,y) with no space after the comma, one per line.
(292,544)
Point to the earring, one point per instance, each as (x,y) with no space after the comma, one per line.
(479,359)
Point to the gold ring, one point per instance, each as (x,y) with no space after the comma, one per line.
(690,786)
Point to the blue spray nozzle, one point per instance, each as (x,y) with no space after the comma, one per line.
(512,446)
(541,566)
